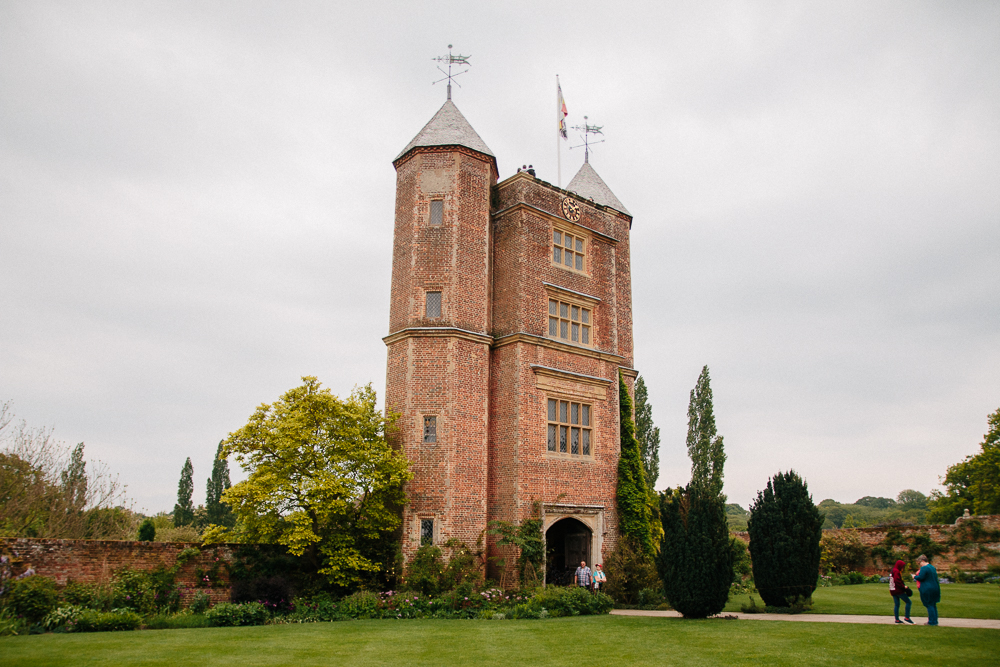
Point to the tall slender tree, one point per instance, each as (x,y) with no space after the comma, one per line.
(696,560)
(647,434)
(633,498)
(704,443)
(218,512)
(74,479)
(184,509)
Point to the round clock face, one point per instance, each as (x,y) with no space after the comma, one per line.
(570,209)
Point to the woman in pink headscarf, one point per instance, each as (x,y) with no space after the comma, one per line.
(899,590)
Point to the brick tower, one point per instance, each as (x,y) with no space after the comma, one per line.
(510,320)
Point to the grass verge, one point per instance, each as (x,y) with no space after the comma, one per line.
(576,642)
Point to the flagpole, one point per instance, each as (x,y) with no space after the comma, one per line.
(559,118)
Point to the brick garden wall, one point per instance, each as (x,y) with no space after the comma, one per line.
(971,555)
(96,561)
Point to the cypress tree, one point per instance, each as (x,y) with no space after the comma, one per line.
(184,509)
(633,499)
(696,560)
(217,512)
(647,434)
(704,444)
(785,528)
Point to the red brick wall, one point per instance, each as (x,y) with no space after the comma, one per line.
(96,561)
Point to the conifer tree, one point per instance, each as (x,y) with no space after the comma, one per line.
(217,512)
(184,509)
(785,528)
(695,560)
(704,444)
(647,434)
(633,499)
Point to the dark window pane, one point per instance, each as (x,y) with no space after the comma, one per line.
(430,429)
(576,313)
(576,332)
(579,262)
(575,414)
(433,304)
(437,212)
(563,407)
(586,442)
(553,307)
(553,326)
(426,531)
(579,245)
(552,410)
(586,415)
(552,437)
(569,242)
(586,336)
(562,439)
(575,446)
(568,258)
(563,329)
(557,238)
(585,315)
(563,310)
(557,255)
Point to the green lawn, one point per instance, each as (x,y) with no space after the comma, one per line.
(957,601)
(575,642)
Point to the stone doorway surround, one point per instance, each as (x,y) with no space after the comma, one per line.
(592,516)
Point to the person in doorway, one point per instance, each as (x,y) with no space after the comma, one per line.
(599,577)
(930,589)
(899,591)
(583,575)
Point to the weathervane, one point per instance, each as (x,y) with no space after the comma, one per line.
(587,131)
(451,60)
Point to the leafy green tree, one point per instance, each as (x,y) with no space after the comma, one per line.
(646,433)
(74,479)
(973,483)
(910,499)
(322,481)
(216,511)
(184,509)
(695,561)
(630,571)
(785,529)
(736,516)
(147,531)
(876,502)
(632,495)
(704,444)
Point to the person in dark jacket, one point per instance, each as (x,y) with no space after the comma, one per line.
(930,590)
(899,591)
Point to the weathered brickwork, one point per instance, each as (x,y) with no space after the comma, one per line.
(486,368)
(96,561)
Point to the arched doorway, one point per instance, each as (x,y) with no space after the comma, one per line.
(567,542)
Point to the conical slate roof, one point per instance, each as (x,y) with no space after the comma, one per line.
(589,185)
(448,127)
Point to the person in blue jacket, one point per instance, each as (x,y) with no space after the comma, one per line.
(930,590)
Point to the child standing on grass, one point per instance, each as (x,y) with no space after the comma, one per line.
(930,590)
(898,590)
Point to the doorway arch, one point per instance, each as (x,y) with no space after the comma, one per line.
(567,542)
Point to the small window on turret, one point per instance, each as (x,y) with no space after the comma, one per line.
(437,212)
(433,305)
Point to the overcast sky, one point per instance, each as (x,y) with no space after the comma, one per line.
(196,209)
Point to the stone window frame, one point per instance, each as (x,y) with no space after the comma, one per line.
(439,222)
(423,428)
(421,518)
(559,399)
(580,251)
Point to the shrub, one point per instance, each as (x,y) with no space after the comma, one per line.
(696,558)
(80,595)
(11,625)
(785,529)
(630,571)
(147,531)
(131,589)
(107,621)
(62,617)
(177,621)
(842,551)
(742,565)
(363,604)
(200,602)
(572,601)
(33,597)
(229,614)
(274,592)
(426,568)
